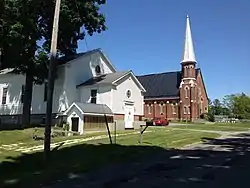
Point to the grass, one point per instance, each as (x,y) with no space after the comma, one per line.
(167,138)
(27,170)
(16,139)
(218,127)
(24,137)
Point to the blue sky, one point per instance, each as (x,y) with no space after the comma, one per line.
(148,37)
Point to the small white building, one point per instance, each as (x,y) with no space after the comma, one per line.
(87,86)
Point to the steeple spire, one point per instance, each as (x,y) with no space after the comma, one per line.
(189,55)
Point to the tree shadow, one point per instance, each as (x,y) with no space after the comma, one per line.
(105,165)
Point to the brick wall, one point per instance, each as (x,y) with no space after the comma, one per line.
(121,117)
(192,97)
(161,108)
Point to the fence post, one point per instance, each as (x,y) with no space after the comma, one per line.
(115,132)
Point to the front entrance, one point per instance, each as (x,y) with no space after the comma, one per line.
(129,116)
(74,124)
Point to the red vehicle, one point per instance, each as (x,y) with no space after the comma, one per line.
(160,122)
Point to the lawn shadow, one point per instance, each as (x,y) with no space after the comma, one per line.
(57,147)
(105,165)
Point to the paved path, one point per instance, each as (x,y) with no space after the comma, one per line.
(223,162)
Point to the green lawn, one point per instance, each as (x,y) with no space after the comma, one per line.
(15,139)
(217,127)
(29,169)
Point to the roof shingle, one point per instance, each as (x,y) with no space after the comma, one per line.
(162,85)
(103,79)
(94,108)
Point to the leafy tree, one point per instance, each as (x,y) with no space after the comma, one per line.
(217,107)
(241,106)
(226,111)
(18,43)
(24,23)
(210,114)
(228,102)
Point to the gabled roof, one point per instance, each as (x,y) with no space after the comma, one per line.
(67,59)
(103,79)
(161,85)
(90,108)
(111,78)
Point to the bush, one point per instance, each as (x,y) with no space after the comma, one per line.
(210,117)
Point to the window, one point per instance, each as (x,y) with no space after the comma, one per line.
(45,91)
(205,109)
(185,110)
(149,109)
(4,95)
(161,109)
(189,110)
(93,96)
(195,94)
(190,72)
(128,94)
(98,69)
(186,92)
(22,93)
(199,91)
(174,108)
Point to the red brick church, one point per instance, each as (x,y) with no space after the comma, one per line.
(179,95)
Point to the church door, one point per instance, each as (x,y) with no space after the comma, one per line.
(129,116)
(75,124)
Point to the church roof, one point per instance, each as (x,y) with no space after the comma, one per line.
(103,79)
(162,85)
(69,58)
(91,108)
(94,108)
(65,59)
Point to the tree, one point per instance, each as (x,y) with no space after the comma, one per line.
(19,35)
(210,114)
(228,103)
(217,107)
(18,42)
(241,106)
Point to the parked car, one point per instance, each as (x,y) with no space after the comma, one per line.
(160,122)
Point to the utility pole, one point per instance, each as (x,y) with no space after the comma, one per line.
(51,81)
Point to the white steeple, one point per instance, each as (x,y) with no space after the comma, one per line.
(189,55)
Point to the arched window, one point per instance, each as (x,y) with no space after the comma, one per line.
(186,71)
(149,109)
(201,105)
(185,110)
(186,92)
(161,108)
(190,72)
(173,108)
